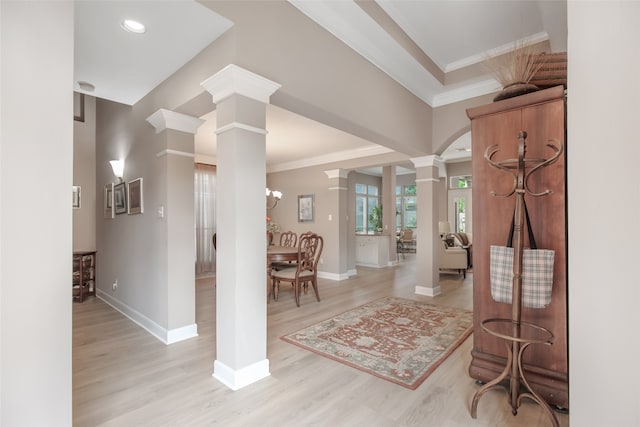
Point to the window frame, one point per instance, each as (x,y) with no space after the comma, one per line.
(370,198)
(402,198)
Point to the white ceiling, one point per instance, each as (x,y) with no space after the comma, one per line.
(436,41)
(124,66)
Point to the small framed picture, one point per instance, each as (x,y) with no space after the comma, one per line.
(135,201)
(75,193)
(120,198)
(305,208)
(108,201)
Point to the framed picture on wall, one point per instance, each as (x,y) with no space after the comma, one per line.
(120,198)
(135,201)
(305,208)
(108,201)
(75,193)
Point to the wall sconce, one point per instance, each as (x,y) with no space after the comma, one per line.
(118,168)
(277,195)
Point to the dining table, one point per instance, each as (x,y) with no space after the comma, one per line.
(277,253)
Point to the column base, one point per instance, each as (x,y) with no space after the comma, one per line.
(237,379)
(430,292)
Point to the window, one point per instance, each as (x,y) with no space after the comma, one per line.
(460,193)
(460,181)
(205,217)
(459,215)
(367,198)
(406,207)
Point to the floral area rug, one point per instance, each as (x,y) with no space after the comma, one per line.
(399,340)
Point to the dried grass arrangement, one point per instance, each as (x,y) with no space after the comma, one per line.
(515,70)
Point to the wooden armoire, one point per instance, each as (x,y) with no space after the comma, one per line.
(542,115)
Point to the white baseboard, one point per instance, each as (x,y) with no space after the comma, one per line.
(163,334)
(181,334)
(352,273)
(237,379)
(429,292)
(370,265)
(333,276)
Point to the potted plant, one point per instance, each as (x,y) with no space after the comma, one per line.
(375,218)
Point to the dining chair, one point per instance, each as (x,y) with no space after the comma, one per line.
(309,251)
(288,238)
(405,242)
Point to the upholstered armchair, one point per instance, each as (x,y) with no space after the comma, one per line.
(453,258)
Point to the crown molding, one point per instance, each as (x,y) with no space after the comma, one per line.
(167,119)
(236,80)
(465,92)
(174,153)
(329,158)
(500,50)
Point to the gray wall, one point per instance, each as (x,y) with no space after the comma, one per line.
(302,182)
(36,164)
(84,175)
(452,121)
(151,257)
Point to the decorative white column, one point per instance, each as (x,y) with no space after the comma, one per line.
(335,245)
(176,152)
(389,210)
(241,98)
(429,169)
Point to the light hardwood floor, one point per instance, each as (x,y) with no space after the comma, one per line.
(122,376)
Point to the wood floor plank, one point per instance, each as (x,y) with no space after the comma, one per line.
(122,376)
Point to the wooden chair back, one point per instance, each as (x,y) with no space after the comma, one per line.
(309,252)
(310,248)
(288,238)
(407,235)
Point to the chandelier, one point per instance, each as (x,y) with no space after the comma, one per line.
(273,197)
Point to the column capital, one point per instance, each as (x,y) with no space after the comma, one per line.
(236,80)
(337,173)
(431,161)
(167,119)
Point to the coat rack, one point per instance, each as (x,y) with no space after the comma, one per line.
(518,334)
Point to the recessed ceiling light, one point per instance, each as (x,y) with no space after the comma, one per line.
(86,86)
(133,26)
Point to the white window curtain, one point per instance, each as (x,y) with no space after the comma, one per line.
(205,213)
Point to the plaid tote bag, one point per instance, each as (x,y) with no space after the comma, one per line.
(537,272)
